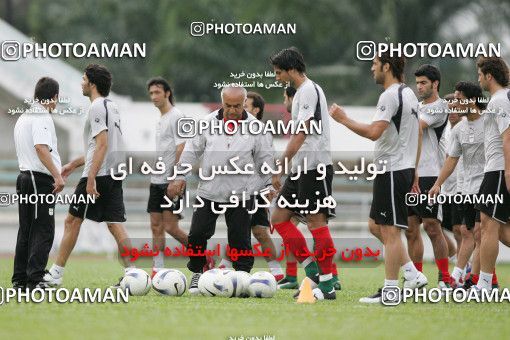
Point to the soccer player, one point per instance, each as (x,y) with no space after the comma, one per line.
(452,218)
(290,279)
(395,130)
(103,142)
(39,164)
(466,141)
(169,146)
(310,150)
(433,115)
(217,148)
(493,77)
(254,105)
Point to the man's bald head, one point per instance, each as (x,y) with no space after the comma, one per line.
(233,91)
(232,99)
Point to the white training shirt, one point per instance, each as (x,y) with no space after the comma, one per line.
(454,182)
(35,126)
(435,114)
(398,144)
(317,147)
(467,141)
(496,120)
(167,140)
(103,114)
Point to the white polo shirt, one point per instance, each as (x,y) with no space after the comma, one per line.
(35,126)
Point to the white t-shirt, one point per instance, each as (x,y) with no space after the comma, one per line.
(467,141)
(103,114)
(33,127)
(398,144)
(435,114)
(317,147)
(454,182)
(167,140)
(496,120)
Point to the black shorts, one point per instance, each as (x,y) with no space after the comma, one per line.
(423,210)
(307,187)
(389,197)
(493,185)
(157,193)
(259,217)
(108,207)
(470,215)
(452,215)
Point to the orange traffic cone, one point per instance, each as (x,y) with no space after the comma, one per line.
(306,294)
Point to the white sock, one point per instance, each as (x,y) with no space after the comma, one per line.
(410,271)
(327,277)
(226,263)
(393,283)
(484,281)
(56,271)
(275,268)
(159,260)
(457,273)
(307,261)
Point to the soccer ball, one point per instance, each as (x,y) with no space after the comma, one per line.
(262,285)
(216,282)
(240,281)
(169,282)
(136,281)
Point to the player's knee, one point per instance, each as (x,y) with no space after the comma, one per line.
(157,229)
(413,233)
(390,233)
(169,226)
(432,228)
(72,224)
(260,233)
(374,229)
(466,234)
(316,221)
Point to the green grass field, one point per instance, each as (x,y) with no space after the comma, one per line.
(187,317)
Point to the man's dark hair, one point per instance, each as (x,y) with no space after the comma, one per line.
(160,81)
(46,89)
(449,97)
(431,72)
(290,91)
(496,67)
(396,63)
(471,91)
(289,59)
(258,102)
(101,77)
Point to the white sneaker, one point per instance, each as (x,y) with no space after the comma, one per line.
(457,283)
(50,280)
(193,287)
(317,294)
(376,298)
(419,282)
(442,285)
